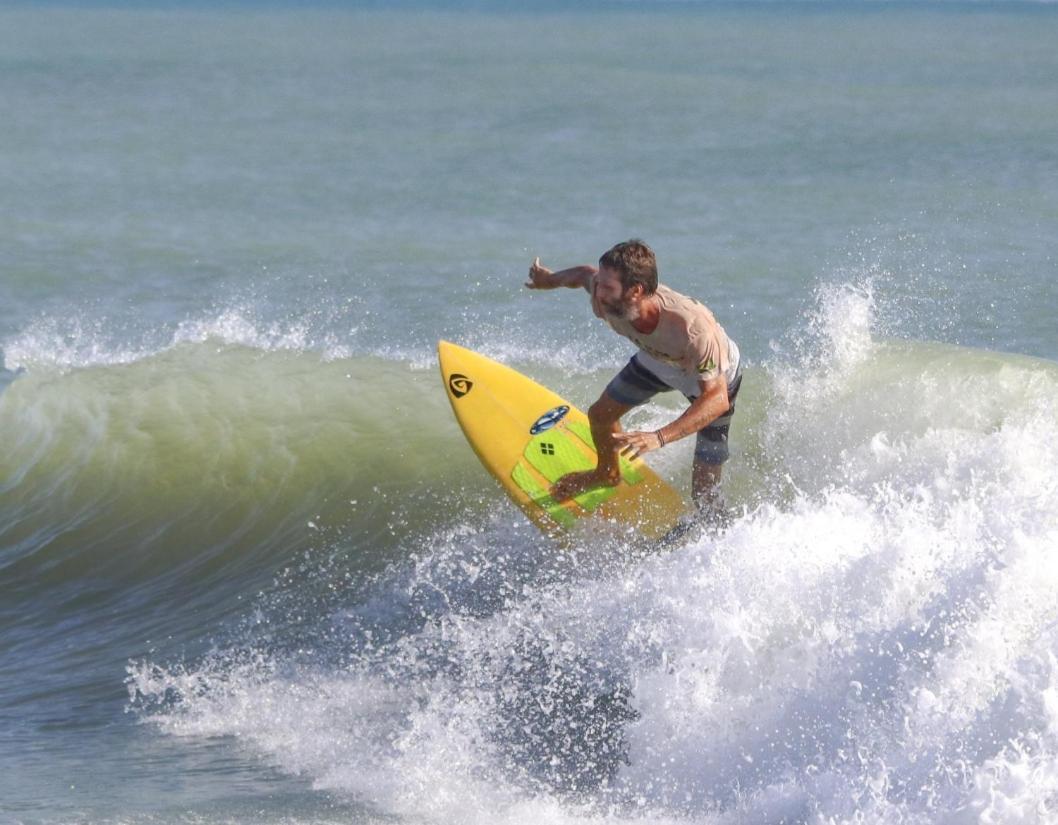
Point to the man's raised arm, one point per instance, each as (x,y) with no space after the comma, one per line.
(576,277)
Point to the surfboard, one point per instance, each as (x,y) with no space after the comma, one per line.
(528,437)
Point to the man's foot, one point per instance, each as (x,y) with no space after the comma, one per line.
(717,517)
(573,484)
(693,527)
(713,512)
(687,529)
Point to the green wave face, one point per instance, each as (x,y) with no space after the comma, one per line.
(201,452)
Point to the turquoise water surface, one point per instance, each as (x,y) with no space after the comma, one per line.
(249,570)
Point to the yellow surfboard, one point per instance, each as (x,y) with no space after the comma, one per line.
(528,437)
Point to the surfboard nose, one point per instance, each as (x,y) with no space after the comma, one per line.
(447,348)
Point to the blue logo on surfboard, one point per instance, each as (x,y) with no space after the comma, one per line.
(548,420)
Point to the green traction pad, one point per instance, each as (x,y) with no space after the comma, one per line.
(526,481)
(553,454)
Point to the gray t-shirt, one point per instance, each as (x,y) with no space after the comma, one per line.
(687,337)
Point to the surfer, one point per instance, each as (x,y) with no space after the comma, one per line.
(681,347)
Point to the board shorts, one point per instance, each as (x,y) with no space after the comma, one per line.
(644,376)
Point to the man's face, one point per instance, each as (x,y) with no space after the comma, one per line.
(611,296)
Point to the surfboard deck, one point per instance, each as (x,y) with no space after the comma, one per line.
(528,437)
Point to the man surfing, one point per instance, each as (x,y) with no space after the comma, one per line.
(681,347)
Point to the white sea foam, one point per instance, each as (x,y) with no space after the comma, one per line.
(70,343)
(51,343)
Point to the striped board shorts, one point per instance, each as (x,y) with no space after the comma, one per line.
(643,377)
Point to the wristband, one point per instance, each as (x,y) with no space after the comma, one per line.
(661,438)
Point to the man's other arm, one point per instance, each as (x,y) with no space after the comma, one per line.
(703,411)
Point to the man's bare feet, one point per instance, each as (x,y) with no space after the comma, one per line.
(573,484)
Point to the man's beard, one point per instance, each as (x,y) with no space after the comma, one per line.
(622,310)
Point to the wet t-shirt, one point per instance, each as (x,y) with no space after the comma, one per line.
(687,336)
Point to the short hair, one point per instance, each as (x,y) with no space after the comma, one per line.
(634,261)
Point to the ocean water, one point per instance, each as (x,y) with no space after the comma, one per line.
(250,571)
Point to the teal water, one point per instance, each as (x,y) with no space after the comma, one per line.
(249,571)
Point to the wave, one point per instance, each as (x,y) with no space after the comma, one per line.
(875,638)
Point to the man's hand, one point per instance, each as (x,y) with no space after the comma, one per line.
(633,445)
(576,277)
(540,277)
(704,409)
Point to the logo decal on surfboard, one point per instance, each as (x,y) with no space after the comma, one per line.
(459,384)
(548,420)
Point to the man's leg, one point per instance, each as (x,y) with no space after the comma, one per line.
(605,419)
(710,453)
(708,501)
(705,480)
(705,488)
(708,497)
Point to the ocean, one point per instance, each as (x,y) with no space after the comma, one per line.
(250,570)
